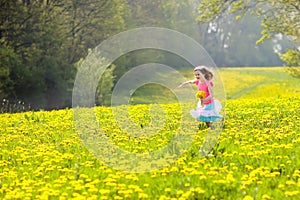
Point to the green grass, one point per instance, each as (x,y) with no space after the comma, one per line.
(246,82)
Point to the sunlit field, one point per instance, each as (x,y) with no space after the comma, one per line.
(256,156)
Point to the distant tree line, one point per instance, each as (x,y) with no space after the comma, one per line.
(277,18)
(43,42)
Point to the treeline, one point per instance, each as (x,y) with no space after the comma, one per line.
(42,43)
(41,40)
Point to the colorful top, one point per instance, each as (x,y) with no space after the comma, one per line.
(204,87)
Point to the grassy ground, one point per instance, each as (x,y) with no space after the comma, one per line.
(246,82)
(259,82)
(45,155)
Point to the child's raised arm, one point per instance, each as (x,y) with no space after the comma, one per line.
(186,82)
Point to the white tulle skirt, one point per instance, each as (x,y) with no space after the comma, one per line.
(208,112)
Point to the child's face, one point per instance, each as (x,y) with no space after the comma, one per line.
(198,75)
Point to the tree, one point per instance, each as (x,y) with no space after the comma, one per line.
(233,43)
(7,57)
(40,41)
(104,89)
(173,14)
(278,17)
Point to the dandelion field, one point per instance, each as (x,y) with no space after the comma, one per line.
(256,156)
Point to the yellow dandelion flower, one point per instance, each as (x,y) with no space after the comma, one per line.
(168,190)
(179,192)
(265,197)
(199,190)
(290,182)
(163,197)
(248,197)
(83,176)
(249,167)
(118,197)
(200,94)
(282,165)
(187,184)
(213,197)
(291,193)
(104,191)
(296,174)
(143,196)
(259,182)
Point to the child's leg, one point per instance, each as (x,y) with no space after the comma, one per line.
(208,124)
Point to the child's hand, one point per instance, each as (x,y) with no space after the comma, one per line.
(179,86)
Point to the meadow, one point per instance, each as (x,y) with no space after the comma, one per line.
(256,155)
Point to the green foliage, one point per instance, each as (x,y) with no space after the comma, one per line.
(8,59)
(104,89)
(40,41)
(173,14)
(278,16)
(232,43)
(293,58)
(44,39)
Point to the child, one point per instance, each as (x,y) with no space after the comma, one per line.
(209,112)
